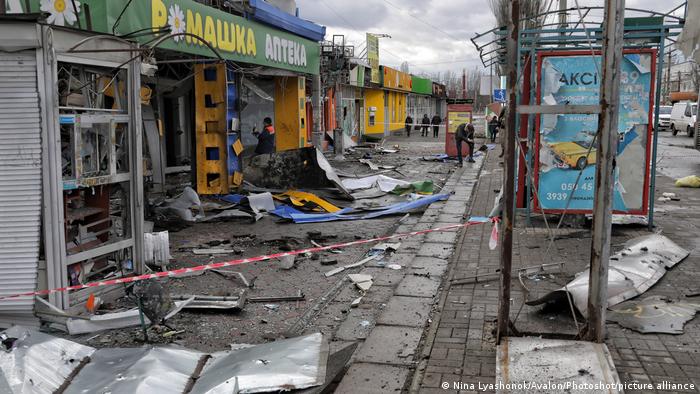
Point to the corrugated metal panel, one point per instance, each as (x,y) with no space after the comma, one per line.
(20,184)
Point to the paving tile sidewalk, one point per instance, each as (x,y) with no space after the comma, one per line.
(461,348)
(393,315)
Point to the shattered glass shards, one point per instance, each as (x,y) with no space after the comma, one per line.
(632,271)
(656,314)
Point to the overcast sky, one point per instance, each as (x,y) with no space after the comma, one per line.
(432,35)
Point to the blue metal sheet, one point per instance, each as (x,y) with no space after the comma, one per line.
(347,213)
(273,16)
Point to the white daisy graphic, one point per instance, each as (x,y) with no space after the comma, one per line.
(176,20)
(61,11)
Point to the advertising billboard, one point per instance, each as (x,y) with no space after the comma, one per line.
(373,57)
(566,156)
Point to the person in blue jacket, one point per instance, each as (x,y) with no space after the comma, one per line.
(266,138)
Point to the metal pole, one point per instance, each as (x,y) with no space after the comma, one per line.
(317,135)
(509,173)
(605,167)
(655,135)
(562,18)
(668,79)
(338,131)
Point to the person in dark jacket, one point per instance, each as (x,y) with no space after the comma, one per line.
(426,125)
(436,125)
(408,125)
(266,138)
(465,133)
(493,128)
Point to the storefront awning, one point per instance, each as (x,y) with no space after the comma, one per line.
(271,15)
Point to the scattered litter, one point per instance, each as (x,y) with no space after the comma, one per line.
(657,315)
(329,262)
(115,320)
(353,265)
(173,333)
(371,165)
(156,249)
(423,187)
(386,247)
(306,201)
(183,204)
(237,274)
(271,307)
(363,282)
(632,271)
(383,182)
(228,214)
(287,262)
(212,251)
(297,297)
(669,195)
(261,202)
(304,168)
(365,323)
(233,303)
(296,216)
(689,181)
(356,302)
(394,266)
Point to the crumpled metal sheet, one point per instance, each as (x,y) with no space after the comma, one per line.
(143,370)
(654,315)
(38,363)
(288,364)
(632,271)
(42,364)
(553,362)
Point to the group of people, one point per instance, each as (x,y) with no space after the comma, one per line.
(464,134)
(425,125)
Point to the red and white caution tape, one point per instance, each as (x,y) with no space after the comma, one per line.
(182,271)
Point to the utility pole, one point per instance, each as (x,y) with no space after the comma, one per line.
(509,172)
(668,79)
(562,17)
(317,135)
(613,30)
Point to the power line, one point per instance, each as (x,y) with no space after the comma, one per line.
(422,21)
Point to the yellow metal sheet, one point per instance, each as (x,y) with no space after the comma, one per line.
(299,198)
(237,147)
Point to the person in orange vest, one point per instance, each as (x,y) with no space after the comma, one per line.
(266,138)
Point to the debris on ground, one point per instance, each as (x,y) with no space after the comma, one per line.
(206,302)
(632,272)
(654,315)
(689,181)
(212,251)
(156,249)
(290,213)
(48,364)
(297,297)
(363,282)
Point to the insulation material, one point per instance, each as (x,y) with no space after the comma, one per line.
(157,248)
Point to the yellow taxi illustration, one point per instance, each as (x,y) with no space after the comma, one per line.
(575,154)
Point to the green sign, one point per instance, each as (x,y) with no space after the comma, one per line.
(234,38)
(421,85)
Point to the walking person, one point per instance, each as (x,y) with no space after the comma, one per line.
(493,128)
(465,133)
(436,125)
(408,125)
(425,125)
